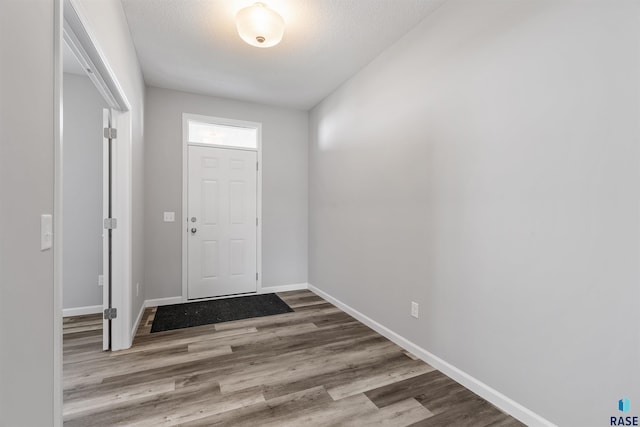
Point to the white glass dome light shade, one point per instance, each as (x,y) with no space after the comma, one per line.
(260,26)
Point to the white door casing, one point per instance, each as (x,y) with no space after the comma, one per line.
(106,265)
(221,222)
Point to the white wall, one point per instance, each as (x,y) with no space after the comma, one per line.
(82,180)
(26,192)
(108,25)
(487,167)
(284,200)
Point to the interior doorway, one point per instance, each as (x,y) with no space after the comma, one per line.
(86,185)
(110,214)
(114,131)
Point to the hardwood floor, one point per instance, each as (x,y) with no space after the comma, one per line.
(316,366)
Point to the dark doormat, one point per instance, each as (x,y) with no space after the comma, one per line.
(198,313)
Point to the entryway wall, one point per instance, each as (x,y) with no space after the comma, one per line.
(485,166)
(284,181)
(26,192)
(82,198)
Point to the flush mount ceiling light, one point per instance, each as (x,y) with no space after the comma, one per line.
(260,26)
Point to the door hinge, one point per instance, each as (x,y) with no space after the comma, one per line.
(256,277)
(110,313)
(256,222)
(257,165)
(110,133)
(110,223)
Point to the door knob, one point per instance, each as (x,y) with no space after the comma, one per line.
(193,230)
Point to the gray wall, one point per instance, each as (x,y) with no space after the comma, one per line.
(284,200)
(26,191)
(487,167)
(82,197)
(109,27)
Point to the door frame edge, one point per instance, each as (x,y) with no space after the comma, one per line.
(58,14)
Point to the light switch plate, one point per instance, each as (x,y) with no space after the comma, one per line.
(46,232)
(169,216)
(415,309)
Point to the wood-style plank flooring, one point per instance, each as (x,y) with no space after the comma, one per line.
(316,366)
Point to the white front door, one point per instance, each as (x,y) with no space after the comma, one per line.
(222,217)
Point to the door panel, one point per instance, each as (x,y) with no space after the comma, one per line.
(211,200)
(222,240)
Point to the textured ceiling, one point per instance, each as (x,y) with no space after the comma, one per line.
(192,45)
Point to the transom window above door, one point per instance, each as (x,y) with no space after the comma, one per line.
(221,132)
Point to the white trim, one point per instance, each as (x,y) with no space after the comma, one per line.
(122,236)
(81,311)
(503,402)
(106,269)
(284,288)
(82,56)
(134,329)
(79,33)
(157,302)
(58,25)
(259,212)
(185,208)
(185,191)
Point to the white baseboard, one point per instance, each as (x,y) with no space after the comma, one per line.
(162,301)
(80,311)
(283,288)
(503,402)
(137,322)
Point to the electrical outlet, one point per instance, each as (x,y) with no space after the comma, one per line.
(415,309)
(169,216)
(100,280)
(137,289)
